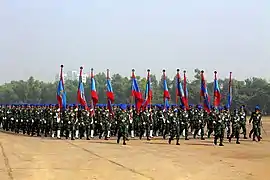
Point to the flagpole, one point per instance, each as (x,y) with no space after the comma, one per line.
(61,71)
(61,79)
(80,80)
(132,77)
(214,97)
(148,78)
(177,81)
(202,79)
(91,76)
(230,88)
(164,78)
(108,77)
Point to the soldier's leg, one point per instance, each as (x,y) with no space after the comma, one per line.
(172,135)
(186,131)
(178,135)
(202,131)
(244,130)
(233,134)
(210,131)
(228,128)
(119,135)
(148,131)
(92,131)
(259,131)
(251,132)
(58,132)
(237,134)
(255,133)
(221,138)
(132,130)
(196,132)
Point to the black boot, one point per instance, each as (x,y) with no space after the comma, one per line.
(177,141)
(170,140)
(237,140)
(215,140)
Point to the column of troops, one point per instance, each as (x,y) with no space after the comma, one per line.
(125,122)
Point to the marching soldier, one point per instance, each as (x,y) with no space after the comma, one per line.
(123,126)
(184,123)
(174,127)
(243,119)
(227,117)
(210,122)
(219,129)
(199,122)
(256,119)
(236,125)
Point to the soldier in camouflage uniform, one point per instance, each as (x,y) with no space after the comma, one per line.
(219,125)
(17,119)
(1,116)
(66,122)
(123,126)
(131,122)
(107,124)
(210,122)
(174,127)
(227,117)
(184,122)
(199,122)
(256,119)
(236,125)
(243,120)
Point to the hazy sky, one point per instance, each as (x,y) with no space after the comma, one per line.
(36,36)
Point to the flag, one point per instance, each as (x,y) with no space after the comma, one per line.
(110,95)
(94,94)
(185,89)
(148,91)
(229,98)
(135,92)
(166,94)
(61,94)
(180,91)
(80,93)
(204,93)
(217,94)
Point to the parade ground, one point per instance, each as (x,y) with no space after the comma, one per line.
(33,158)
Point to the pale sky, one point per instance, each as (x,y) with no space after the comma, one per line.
(36,36)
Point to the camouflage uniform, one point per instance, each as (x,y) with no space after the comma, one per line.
(123,126)
(256,119)
(219,129)
(236,125)
(174,127)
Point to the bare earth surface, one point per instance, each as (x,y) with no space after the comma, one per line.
(32,158)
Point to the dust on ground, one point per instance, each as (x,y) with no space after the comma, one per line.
(33,158)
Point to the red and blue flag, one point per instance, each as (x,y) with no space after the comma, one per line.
(135,92)
(80,93)
(61,94)
(185,89)
(180,91)
(148,91)
(166,94)
(204,93)
(110,95)
(217,94)
(94,94)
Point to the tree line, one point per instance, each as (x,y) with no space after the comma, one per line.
(251,92)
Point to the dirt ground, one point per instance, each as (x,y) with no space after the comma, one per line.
(32,158)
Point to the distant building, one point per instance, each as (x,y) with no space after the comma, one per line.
(72,75)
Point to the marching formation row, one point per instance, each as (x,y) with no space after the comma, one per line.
(125,122)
